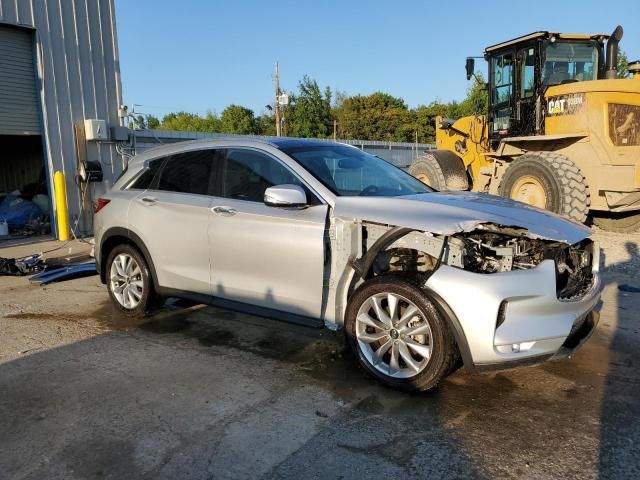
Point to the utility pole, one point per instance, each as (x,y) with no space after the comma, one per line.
(335,128)
(277,104)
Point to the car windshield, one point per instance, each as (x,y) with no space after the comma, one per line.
(348,172)
(569,62)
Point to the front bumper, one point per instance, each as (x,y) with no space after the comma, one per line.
(535,325)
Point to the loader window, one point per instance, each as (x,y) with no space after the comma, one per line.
(527,72)
(502,78)
(569,62)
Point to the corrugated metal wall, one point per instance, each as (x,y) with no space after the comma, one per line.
(78,78)
(399,154)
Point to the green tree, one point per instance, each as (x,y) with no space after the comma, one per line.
(152,122)
(475,103)
(477,100)
(191,122)
(621,67)
(239,120)
(309,111)
(425,118)
(378,116)
(139,122)
(266,124)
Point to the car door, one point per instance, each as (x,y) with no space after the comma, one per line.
(172,217)
(266,256)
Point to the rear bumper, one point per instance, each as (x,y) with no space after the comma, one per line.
(534,327)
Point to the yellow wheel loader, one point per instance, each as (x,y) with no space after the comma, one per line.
(562,132)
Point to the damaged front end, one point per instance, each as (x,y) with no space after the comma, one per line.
(511,297)
(493,249)
(486,249)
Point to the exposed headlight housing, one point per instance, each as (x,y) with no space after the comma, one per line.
(493,252)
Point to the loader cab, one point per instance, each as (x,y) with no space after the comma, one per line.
(521,70)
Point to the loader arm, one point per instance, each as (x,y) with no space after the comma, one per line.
(467,138)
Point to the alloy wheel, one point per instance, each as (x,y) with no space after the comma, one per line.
(394,335)
(126,281)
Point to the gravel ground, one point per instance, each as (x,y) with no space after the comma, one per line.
(620,251)
(199,392)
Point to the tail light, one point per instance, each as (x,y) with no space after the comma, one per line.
(100,204)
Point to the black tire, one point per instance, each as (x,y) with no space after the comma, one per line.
(444,351)
(627,222)
(564,185)
(429,171)
(149,298)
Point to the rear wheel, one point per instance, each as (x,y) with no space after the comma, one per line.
(129,281)
(627,222)
(548,180)
(398,334)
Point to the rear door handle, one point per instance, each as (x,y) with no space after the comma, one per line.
(225,211)
(149,200)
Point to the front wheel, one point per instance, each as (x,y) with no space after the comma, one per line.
(548,180)
(129,282)
(398,334)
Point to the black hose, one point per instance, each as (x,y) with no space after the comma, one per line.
(445,243)
(363,265)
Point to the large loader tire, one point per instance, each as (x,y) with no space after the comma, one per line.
(548,180)
(627,222)
(441,170)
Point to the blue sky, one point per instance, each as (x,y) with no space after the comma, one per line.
(199,55)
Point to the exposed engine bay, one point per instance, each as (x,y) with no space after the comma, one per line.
(490,249)
(489,252)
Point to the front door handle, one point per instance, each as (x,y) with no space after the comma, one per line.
(149,200)
(225,211)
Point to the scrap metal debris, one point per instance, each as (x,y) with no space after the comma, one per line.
(21,266)
(66,272)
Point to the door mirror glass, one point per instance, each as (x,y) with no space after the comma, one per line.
(286,195)
(470,67)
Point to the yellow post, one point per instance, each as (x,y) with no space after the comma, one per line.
(62,215)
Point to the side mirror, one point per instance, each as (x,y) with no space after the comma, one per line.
(286,195)
(470,67)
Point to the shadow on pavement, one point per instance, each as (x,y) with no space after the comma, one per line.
(620,421)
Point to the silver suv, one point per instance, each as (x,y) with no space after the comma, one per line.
(322,233)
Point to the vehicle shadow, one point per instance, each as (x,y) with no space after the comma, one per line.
(620,417)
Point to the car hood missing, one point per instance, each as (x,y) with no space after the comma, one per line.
(447,213)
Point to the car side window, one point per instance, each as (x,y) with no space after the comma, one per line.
(247,174)
(189,172)
(145,180)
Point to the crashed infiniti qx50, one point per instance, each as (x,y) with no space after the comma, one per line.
(316,232)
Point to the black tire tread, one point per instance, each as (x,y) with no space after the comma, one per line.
(426,164)
(575,197)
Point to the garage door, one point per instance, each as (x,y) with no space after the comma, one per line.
(18,95)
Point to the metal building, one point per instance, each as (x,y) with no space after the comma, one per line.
(58,67)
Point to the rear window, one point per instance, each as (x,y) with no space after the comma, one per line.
(144,181)
(188,172)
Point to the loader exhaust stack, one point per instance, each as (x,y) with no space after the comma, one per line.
(612,53)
